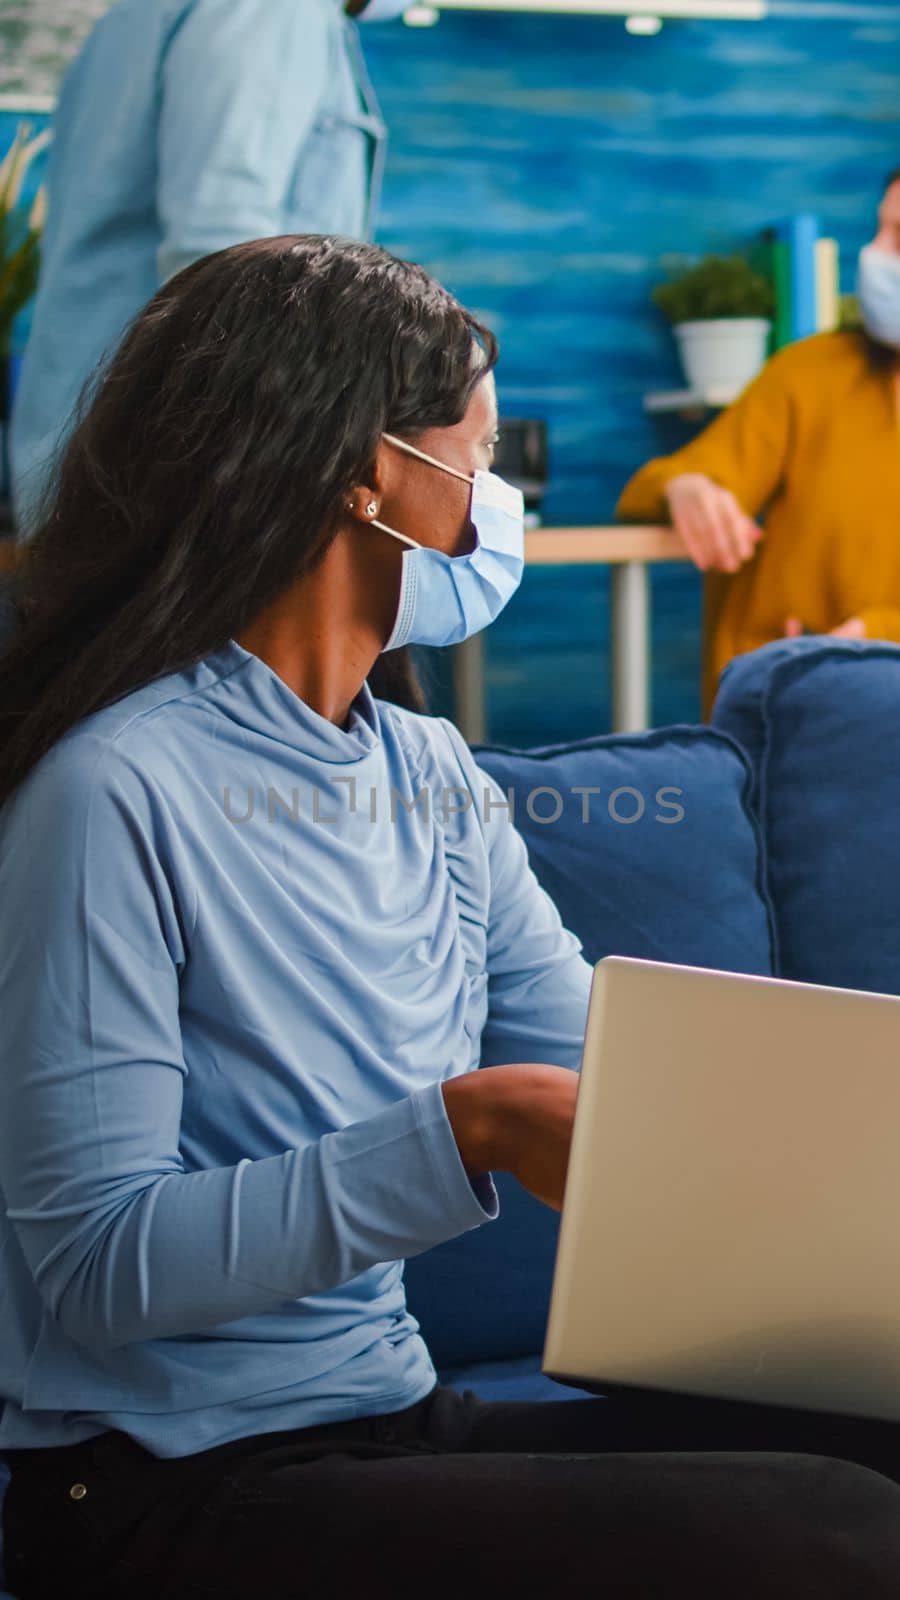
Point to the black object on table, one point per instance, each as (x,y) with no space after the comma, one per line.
(522,457)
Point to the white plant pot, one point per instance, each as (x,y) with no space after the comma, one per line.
(722,353)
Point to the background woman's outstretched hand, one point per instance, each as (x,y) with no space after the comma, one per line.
(711,523)
(516,1119)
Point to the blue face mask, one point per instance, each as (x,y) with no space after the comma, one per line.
(383,10)
(878,292)
(445,599)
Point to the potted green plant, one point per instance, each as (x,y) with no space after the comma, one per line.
(20,249)
(721,312)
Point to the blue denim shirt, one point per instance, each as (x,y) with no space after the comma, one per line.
(183,127)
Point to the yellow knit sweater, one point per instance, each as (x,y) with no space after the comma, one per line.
(812,447)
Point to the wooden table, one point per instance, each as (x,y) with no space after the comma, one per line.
(627,551)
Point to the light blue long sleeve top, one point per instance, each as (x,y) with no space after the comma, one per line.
(240,950)
(185,126)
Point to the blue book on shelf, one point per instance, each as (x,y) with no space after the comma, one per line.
(800,233)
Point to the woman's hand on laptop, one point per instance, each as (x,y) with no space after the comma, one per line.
(516,1119)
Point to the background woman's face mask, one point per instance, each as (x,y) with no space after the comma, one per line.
(445,599)
(878,292)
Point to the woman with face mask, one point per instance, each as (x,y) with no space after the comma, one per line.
(185,126)
(259,929)
(790,501)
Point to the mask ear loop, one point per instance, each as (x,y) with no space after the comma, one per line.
(420,455)
(433,461)
(394,534)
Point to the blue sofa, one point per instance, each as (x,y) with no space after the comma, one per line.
(765,843)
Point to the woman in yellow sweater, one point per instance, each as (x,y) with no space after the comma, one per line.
(812,447)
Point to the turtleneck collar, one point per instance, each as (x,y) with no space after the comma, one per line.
(252,694)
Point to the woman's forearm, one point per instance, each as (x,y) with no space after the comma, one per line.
(151,1256)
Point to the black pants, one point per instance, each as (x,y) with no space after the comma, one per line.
(628,1496)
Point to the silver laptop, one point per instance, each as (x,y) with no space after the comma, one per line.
(731,1224)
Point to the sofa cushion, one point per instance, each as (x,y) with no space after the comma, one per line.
(517,1380)
(484,1296)
(686,890)
(820,719)
(739,708)
(668,865)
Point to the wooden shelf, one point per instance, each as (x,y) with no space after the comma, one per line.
(689,401)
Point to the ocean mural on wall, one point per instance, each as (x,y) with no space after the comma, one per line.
(542,166)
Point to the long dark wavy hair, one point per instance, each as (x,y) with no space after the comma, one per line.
(209,464)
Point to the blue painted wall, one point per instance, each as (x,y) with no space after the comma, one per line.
(541,166)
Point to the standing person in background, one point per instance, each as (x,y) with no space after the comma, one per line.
(811,446)
(183,127)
